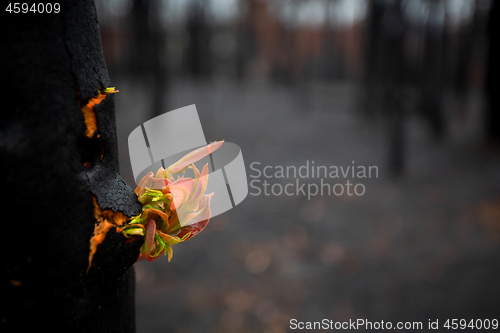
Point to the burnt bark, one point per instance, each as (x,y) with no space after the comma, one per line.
(51,65)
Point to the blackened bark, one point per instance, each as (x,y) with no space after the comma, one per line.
(50,65)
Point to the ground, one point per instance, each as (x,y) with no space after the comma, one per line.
(420,247)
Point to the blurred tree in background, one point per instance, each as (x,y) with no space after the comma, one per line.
(421,56)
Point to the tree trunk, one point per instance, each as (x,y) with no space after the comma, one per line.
(492,84)
(61,180)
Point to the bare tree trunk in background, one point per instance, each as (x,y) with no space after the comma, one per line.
(198,56)
(158,70)
(392,65)
(141,45)
(432,72)
(492,84)
(55,180)
(147,46)
(370,98)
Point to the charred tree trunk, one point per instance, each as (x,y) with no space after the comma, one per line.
(140,49)
(392,66)
(60,181)
(432,72)
(146,50)
(492,84)
(372,74)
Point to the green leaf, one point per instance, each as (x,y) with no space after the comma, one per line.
(159,247)
(136,219)
(185,236)
(134,231)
